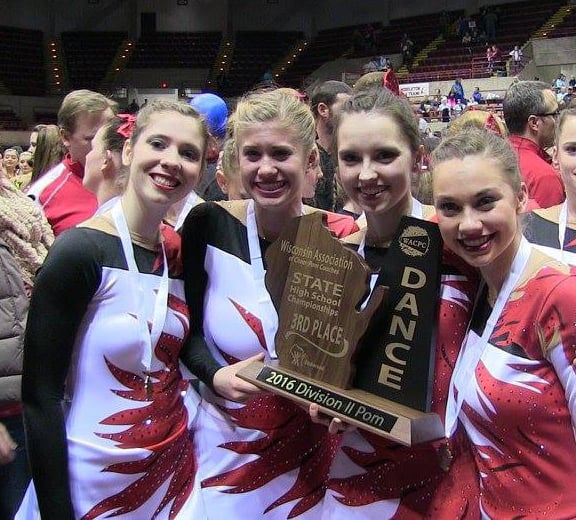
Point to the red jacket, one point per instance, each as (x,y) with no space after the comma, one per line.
(542,180)
(65,201)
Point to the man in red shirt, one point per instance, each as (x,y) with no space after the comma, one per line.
(60,192)
(530,109)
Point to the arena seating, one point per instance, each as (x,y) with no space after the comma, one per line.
(9,120)
(88,56)
(517,22)
(254,53)
(172,50)
(22,61)
(331,44)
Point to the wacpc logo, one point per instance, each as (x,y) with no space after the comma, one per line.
(414,241)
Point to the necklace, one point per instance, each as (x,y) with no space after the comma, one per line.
(377,241)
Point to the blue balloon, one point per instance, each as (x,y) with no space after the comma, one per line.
(214,110)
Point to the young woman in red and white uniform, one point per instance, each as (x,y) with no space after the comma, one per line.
(514,385)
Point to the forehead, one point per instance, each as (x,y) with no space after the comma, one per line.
(273,132)
(371,128)
(10,153)
(468,176)
(567,131)
(181,127)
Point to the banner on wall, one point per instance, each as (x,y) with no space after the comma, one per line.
(415,89)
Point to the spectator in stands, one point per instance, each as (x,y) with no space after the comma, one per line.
(458,108)
(568,97)
(444,110)
(425,107)
(572,82)
(215,111)
(407,49)
(423,125)
(34,137)
(325,102)
(477,95)
(560,81)
(49,150)
(560,94)
(25,162)
(493,57)
(530,110)
(516,62)
(377,63)
(458,90)
(467,42)
(437,98)
(25,166)
(59,192)
(10,163)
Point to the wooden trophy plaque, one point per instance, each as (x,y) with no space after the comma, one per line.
(321,290)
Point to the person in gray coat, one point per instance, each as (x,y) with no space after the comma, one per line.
(14,474)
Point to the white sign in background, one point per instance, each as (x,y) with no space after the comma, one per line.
(415,89)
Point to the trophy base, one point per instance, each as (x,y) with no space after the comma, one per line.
(362,409)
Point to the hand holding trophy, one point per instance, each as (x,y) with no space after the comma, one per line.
(320,289)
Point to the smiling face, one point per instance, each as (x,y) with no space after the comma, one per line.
(478,211)
(166,159)
(375,162)
(10,160)
(24,162)
(272,166)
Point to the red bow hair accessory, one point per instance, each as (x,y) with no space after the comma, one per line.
(127,127)
(492,125)
(390,81)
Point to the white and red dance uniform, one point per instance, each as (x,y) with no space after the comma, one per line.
(265,458)
(514,390)
(106,438)
(547,229)
(373,478)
